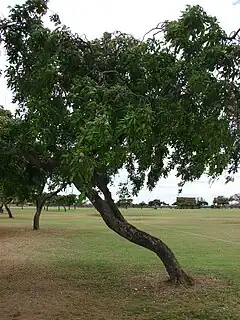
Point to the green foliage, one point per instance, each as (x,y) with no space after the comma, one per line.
(20,180)
(235,197)
(190,203)
(124,195)
(155,203)
(142,204)
(221,201)
(117,102)
(63,200)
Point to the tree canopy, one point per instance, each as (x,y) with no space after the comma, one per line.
(118,101)
(220,200)
(155,203)
(235,197)
(88,108)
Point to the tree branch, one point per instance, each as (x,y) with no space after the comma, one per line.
(158,29)
(234,35)
(52,194)
(102,182)
(30,157)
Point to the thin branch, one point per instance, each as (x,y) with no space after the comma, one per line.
(119,33)
(52,194)
(234,35)
(158,27)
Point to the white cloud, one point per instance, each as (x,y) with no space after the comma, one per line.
(93,17)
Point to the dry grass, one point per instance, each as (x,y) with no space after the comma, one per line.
(29,287)
(82,271)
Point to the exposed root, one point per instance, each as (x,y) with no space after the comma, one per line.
(181,279)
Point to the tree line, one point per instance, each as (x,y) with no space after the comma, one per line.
(60,201)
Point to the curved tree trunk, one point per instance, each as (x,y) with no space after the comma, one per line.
(115,221)
(8,211)
(36,218)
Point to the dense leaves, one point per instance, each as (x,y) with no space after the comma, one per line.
(97,106)
(118,101)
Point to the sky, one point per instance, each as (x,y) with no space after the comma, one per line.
(93,17)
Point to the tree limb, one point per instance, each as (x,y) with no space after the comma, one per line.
(158,29)
(52,194)
(30,157)
(102,182)
(234,35)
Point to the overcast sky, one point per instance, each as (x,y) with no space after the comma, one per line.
(93,17)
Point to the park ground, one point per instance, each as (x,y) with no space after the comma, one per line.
(76,268)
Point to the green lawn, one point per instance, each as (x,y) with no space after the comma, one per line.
(76,268)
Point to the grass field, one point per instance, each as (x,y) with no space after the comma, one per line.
(76,268)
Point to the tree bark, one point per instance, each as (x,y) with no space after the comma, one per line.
(116,222)
(36,219)
(1,208)
(8,211)
(40,202)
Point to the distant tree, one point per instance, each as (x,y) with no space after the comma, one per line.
(235,197)
(190,203)
(156,203)
(204,203)
(235,200)
(165,204)
(70,200)
(220,201)
(60,201)
(125,203)
(142,204)
(124,195)
(201,203)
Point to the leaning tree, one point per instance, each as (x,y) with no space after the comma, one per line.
(90,108)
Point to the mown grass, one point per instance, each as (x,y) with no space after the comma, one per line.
(76,268)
